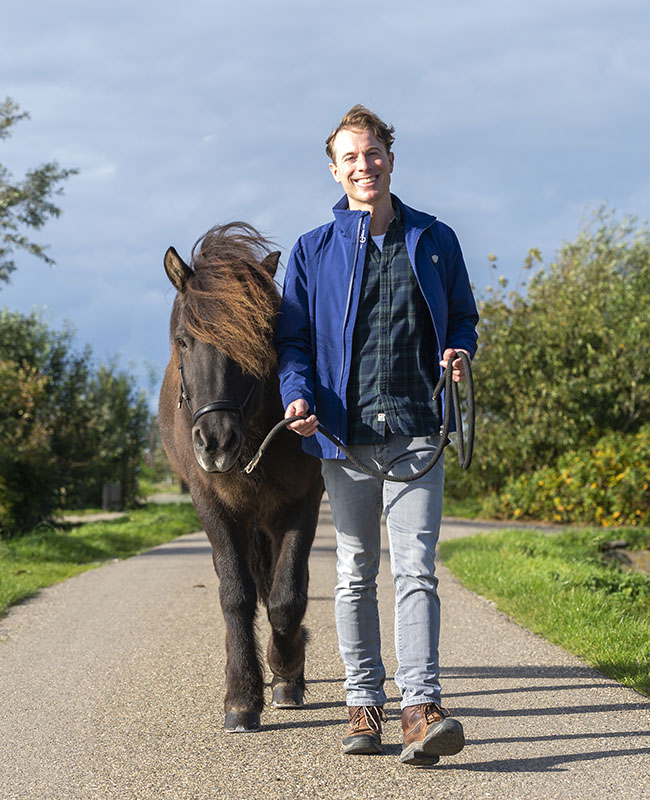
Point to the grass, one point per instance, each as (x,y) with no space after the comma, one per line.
(557,586)
(50,554)
(468,507)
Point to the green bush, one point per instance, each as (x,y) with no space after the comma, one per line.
(66,426)
(606,483)
(27,483)
(564,360)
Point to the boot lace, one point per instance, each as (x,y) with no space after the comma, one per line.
(433,713)
(372,716)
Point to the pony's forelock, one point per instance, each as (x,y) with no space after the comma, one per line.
(231,300)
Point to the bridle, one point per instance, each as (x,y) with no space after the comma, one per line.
(217,405)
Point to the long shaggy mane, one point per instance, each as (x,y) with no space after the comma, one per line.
(231,301)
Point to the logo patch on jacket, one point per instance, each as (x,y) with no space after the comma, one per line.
(434,258)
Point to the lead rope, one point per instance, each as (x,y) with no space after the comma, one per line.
(465,450)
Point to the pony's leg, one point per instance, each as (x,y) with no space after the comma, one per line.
(287,603)
(244,697)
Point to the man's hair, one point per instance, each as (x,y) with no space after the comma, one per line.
(361,118)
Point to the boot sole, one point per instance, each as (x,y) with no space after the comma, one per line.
(362,745)
(444,739)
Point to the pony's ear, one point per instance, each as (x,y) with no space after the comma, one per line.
(177,270)
(270,263)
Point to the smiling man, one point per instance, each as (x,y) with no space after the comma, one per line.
(374,302)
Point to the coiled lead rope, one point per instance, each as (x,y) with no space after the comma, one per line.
(465,450)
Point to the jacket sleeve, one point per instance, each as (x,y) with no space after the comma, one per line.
(462,312)
(293,339)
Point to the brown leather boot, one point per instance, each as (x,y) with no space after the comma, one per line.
(364,734)
(428,734)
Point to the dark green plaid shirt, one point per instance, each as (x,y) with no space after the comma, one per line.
(394,366)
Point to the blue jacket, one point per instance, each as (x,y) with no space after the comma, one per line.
(321,298)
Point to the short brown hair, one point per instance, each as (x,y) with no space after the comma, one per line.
(361,118)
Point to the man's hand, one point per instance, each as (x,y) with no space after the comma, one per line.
(458,371)
(305,427)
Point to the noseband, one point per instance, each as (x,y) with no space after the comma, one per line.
(217,405)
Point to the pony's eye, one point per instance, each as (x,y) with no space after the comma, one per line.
(182,343)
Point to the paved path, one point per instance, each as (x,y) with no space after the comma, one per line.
(111,686)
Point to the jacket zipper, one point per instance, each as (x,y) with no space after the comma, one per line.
(360,241)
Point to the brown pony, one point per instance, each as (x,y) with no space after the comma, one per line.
(219,398)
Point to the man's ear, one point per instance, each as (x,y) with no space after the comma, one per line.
(335,173)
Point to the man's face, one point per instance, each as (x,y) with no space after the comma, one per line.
(362,167)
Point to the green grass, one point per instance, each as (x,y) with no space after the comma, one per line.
(468,507)
(557,586)
(52,554)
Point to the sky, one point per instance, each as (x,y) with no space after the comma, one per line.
(514,121)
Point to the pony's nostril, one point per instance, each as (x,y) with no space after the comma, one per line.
(229,440)
(199,442)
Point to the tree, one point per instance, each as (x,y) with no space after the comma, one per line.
(120,425)
(568,361)
(66,426)
(25,204)
(27,485)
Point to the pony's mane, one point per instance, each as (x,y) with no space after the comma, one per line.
(231,300)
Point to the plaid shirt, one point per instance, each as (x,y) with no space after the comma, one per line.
(394,367)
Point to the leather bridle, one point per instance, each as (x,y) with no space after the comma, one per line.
(217,405)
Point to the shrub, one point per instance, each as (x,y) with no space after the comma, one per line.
(564,362)
(606,483)
(66,426)
(27,485)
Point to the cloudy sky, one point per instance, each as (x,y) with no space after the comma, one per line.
(513,120)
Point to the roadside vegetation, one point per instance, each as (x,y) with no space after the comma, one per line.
(562,381)
(561,586)
(67,425)
(466,507)
(51,554)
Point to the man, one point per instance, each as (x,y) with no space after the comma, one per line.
(373,302)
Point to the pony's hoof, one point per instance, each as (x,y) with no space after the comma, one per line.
(287,694)
(242,722)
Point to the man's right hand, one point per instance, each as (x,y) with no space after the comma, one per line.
(305,427)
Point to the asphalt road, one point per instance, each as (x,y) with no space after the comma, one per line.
(111,686)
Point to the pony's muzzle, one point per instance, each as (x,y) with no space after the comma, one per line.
(217,442)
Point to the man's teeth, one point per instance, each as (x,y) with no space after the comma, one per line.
(366,181)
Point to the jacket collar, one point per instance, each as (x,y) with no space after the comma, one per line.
(347,219)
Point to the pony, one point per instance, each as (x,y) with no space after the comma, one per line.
(219,396)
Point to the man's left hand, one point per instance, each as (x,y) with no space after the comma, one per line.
(458,370)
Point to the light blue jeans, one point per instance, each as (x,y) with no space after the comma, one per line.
(413,513)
